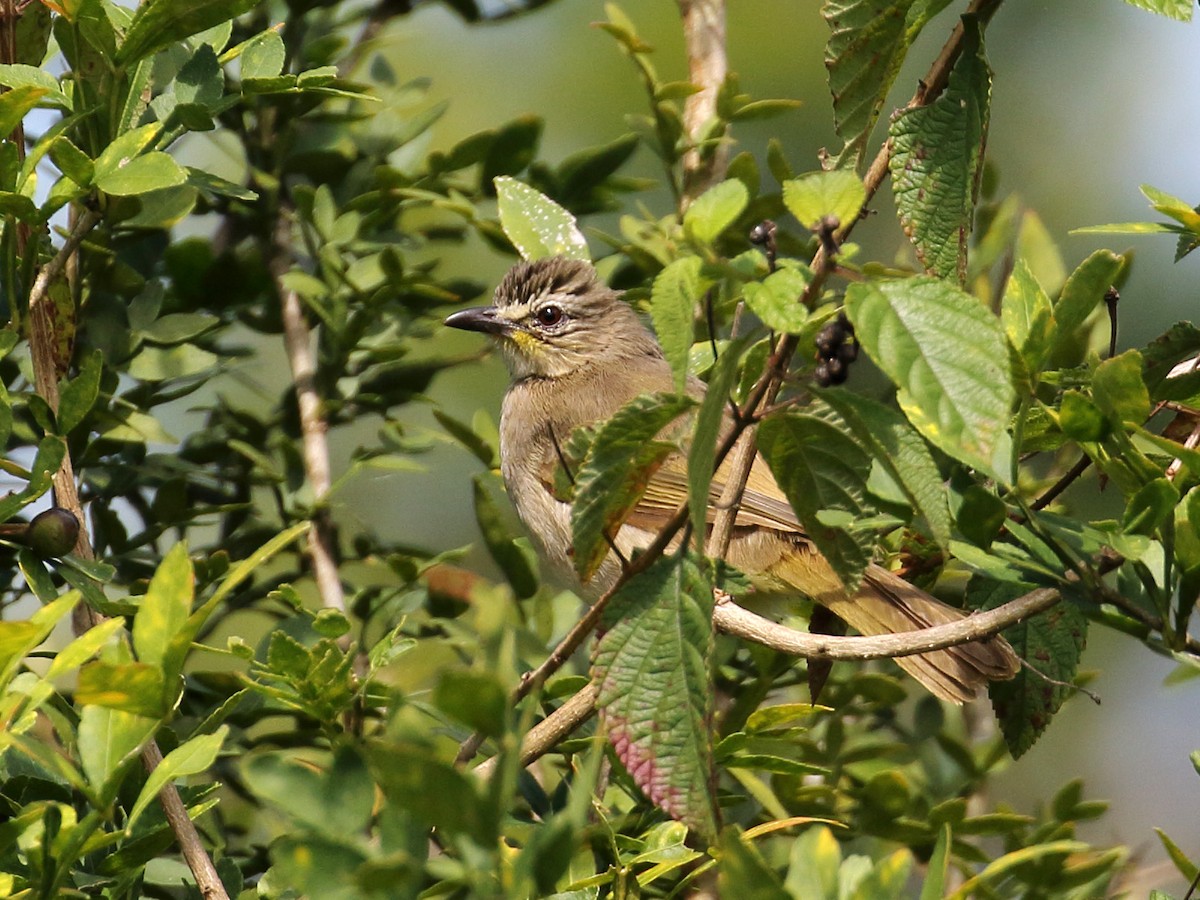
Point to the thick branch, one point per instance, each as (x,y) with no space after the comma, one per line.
(298,343)
(704,36)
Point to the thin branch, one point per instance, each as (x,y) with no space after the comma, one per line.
(552,729)
(704,37)
(733,619)
(297,339)
(1068,478)
(197,858)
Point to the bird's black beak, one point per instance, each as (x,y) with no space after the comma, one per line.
(478,318)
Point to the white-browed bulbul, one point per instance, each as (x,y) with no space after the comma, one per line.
(577,353)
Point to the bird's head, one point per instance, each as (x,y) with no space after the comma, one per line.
(552,317)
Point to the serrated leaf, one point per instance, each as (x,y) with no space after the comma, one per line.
(1119,390)
(652,669)
(189,758)
(820,468)
(673,298)
(776,299)
(537,226)
(867,43)
(1084,290)
(812,197)
(947,355)
(157,25)
(1180,10)
(614,475)
(901,451)
(1028,320)
(1052,642)
(937,161)
(715,210)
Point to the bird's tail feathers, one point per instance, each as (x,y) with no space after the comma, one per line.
(887,604)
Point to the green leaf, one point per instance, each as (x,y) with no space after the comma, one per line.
(934,886)
(937,161)
(709,419)
(49,457)
(812,197)
(537,226)
(1186,867)
(743,873)
(512,150)
(673,298)
(949,358)
(1028,320)
(189,758)
(1150,507)
(109,741)
(901,451)
(1119,390)
(652,669)
(499,541)
(715,210)
(157,364)
(19,638)
(262,56)
(160,24)
(615,473)
(71,161)
(136,688)
(981,516)
(430,790)
(776,299)
(164,609)
(868,41)
(151,171)
(79,395)
(175,328)
(1181,10)
(1052,642)
(820,468)
(1083,292)
(816,858)
(335,800)
(15,104)
(1080,419)
(476,699)
(20,76)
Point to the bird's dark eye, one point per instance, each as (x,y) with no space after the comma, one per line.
(549,315)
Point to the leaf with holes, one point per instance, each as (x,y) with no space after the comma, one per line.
(615,473)
(537,226)
(820,468)
(937,161)
(868,41)
(948,356)
(652,669)
(1052,642)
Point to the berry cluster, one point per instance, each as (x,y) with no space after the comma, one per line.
(837,348)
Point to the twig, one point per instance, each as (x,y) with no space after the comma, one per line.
(197,858)
(704,37)
(322,542)
(1068,478)
(552,729)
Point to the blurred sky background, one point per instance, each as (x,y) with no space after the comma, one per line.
(1091,98)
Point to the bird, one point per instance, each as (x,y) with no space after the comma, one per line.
(576,353)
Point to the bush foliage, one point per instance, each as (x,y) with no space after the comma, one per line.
(221,685)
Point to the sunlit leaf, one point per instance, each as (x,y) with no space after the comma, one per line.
(537,226)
